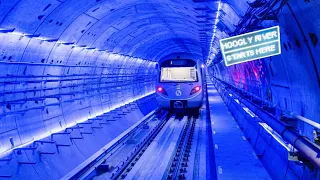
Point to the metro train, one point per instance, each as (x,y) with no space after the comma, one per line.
(179,83)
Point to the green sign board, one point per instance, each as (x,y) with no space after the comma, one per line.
(251,46)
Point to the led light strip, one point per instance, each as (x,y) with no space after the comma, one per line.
(277,137)
(57,41)
(211,54)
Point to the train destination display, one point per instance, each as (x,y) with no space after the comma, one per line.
(251,46)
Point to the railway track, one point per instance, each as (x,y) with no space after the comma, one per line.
(127,164)
(179,163)
(161,160)
(158,149)
(99,163)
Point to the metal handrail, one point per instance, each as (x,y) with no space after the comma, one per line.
(292,114)
(308,149)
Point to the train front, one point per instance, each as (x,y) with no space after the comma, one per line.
(179,84)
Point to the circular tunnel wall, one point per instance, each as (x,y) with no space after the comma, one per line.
(63,61)
(290,80)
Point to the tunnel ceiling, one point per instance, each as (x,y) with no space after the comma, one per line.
(148,29)
(72,59)
(65,61)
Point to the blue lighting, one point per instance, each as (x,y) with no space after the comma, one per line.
(78,81)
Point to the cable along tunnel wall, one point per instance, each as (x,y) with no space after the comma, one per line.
(273,140)
(289,80)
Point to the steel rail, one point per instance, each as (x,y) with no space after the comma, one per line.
(91,164)
(126,165)
(178,164)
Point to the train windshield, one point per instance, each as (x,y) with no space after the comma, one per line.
(178,70)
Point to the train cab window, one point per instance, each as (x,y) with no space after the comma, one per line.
(178,70)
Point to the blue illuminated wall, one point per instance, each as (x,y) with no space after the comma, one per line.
(290,80)
(56,72)
(63,61)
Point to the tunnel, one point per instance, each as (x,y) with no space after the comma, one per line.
(79,87)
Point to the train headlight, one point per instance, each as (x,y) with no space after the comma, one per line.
(161,90)
(195,90)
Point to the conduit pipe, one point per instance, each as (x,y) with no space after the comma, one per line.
(292,114)
(307,148)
